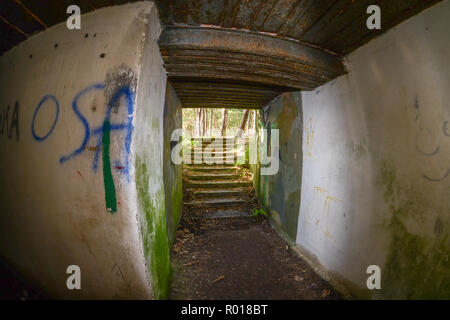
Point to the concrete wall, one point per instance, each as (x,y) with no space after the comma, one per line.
(74,187)
(172,173)
(376,172)
(148,160)
(279,194)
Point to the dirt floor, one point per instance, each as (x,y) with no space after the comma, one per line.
(239,258)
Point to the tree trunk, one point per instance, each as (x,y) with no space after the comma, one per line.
(197,122)
(201,122)
(205,122)
(210,122)
(243,123)
(224,121)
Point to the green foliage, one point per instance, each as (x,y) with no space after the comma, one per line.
(233,123)
(259,212)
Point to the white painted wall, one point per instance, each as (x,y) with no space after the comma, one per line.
(54,214)
(365,199)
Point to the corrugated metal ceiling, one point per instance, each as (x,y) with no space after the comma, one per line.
(307,39)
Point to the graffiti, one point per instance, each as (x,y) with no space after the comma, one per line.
(110,195)
(83,120)
(447,173)
(43,100)
(6,125)
(97,132)
(437,179)
(100,134)
(428,154)
(444,129)
(108,181)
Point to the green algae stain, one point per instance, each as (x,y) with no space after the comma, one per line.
(154,233)
(389,181)
(417,266)
(292,206)
(177,204)
(358,150)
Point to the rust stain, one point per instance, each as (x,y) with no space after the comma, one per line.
(92,148)
(327,204)
(320,190)
(309,137)
(287,116)
(326,207)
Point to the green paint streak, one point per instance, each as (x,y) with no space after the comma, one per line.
(154,232)
(417,266)
(108,181)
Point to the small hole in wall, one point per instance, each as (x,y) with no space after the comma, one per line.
(56,45)
(102,55)
(30,56)
(86,35)
(94,35)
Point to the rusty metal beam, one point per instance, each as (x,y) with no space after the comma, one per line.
(245,69)
(195,92)
(246,56)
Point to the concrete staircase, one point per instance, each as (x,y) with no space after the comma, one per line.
(218,186)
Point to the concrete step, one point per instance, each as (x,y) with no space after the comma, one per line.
(203,168)
(213,153)
(199,157)
(214,161)
(221,193)
(214,138)
(228,214)
(217,202)
(219,184)
(219,145)
(213,176)
(212,156)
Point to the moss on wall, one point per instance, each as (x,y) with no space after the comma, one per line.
(172,173)
(417,265)
(177,198)
(153,230)
(279,194)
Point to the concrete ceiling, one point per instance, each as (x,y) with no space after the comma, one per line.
(236,53)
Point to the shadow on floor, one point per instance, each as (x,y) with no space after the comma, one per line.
(239,258)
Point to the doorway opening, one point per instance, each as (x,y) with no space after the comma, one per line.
(217,175)
(225,246)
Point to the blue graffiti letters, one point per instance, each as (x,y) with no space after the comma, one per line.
(41,103)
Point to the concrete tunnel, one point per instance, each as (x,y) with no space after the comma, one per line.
(86,117)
